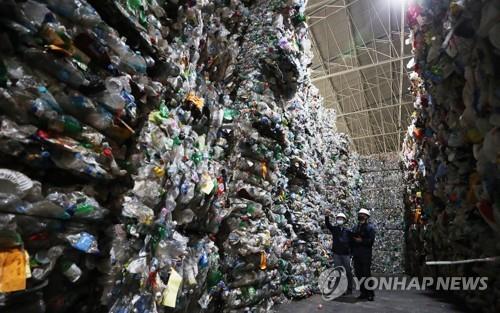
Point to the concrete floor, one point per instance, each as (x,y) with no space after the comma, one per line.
(385,302)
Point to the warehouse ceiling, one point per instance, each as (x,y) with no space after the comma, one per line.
(360,69)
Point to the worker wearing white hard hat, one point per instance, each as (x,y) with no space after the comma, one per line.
(341,245)
(365,212)
(362,243)
(341,217)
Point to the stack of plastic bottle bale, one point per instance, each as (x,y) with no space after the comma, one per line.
(315,144)
(164,254)
(305,199)
(382,193)
(333,185)
(252,241)
(414,180)
(342,180)
(186,120)
(66,110)
(456,139)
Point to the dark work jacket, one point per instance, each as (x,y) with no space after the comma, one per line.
(341,238)
(367,233)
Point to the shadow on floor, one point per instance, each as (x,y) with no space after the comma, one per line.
(347,299)
(385,302)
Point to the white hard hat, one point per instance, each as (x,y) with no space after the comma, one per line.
(364,211)
(341,215)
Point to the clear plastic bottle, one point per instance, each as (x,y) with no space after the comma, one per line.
(48,259)
(71,270)
(125,59)
(77,11)
(61,69)
(83,241)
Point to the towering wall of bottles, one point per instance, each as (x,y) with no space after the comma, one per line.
(452,148)
(382,193)
(163,156)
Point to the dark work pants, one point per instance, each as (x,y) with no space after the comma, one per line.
(362,268)
(345,261)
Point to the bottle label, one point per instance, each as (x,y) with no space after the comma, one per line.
(85,242)
(170,293)
(12,270)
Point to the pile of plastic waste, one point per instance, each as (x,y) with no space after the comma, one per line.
(451,151)
(183,155)
(382,192)
(323,176)
(342,179)
(305,199)
(50,239)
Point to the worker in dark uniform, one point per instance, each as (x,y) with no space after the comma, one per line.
(341,246)
(363,236)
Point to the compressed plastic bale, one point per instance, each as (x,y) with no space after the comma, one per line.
(442,149)
(180,113)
